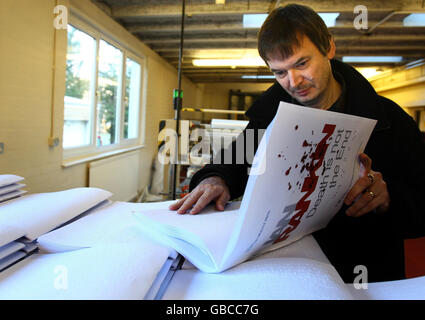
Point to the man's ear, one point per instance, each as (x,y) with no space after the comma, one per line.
(332,49)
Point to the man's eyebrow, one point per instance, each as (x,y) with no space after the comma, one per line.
(294,64)
(301,59)
(275,70)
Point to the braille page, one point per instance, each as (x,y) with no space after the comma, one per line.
(39,213)
(120,271)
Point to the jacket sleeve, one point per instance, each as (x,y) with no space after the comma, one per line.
(235,171)
(232,164)
(405,177)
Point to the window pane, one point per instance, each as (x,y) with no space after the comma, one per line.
(132,99)
(80,59)
(109,79)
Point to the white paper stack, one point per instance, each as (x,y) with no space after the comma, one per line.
(112,226)
(10,187)
(24,219)
(15,251)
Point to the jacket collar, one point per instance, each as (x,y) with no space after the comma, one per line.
(361,98)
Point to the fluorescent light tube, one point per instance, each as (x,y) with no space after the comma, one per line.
(243,62)
(253,20)
(365,59)
(257,77)
(414,20)
(329,18)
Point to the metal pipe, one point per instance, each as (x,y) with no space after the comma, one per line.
(179,100)
(206,110)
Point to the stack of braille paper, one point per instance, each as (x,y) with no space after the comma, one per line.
(24,219)
(13,251)
(10,187)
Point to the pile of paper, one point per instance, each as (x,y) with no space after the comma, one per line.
(24,219)
(136,266)
(10,187)
(15,251)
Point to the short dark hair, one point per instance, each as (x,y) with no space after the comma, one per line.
(281,31)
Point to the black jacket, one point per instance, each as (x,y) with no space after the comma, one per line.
(397,151)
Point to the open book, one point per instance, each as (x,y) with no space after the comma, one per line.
(305,164)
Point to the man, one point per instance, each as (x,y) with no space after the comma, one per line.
(385,205)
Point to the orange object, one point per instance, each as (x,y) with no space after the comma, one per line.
(414,253)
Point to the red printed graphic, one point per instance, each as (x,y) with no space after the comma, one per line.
(310,181)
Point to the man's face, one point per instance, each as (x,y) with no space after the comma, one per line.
(306,74)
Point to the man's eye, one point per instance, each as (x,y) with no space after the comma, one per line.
(302,64)
(280,74)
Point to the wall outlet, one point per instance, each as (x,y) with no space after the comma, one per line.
(53,142)
(1,147)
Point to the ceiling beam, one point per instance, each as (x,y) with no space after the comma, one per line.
(217,31)
(253,45)
(166,27)
(360,39)
(237,26)
(150,8)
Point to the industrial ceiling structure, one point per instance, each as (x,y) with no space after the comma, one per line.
(218,29)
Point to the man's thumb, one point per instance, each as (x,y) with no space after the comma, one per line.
(366,162)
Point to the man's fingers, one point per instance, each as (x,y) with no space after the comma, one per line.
(221,201)
(198,200)
(362,201)
(374,197)
(202,202)
(362,184)
(189,201)
(210,189)
(369,192)
(178,203)
(208,196)
(366,161)
(365,204)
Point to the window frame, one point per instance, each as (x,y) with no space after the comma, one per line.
(88,151)
(135,58)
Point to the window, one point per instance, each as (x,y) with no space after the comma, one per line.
(80,62)
(131,99)
(102,97)
(109,74)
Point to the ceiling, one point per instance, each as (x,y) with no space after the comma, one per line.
(216,31)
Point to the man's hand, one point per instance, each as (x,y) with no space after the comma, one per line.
(368,193)
(210,189)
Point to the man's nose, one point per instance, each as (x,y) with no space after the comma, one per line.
(295,78)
